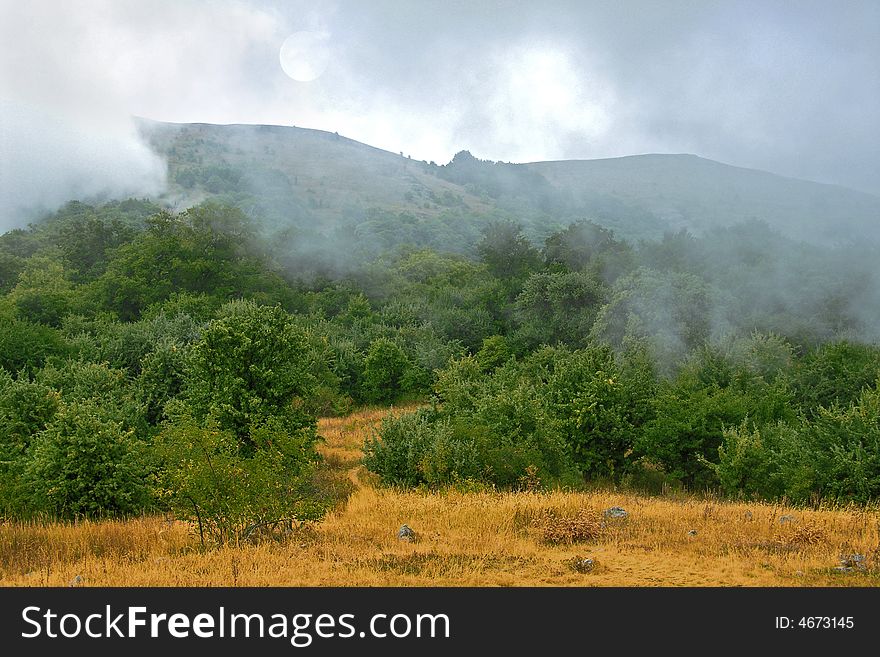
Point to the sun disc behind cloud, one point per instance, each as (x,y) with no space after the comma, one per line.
(305,55)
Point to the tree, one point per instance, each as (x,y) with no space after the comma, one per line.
(506,251)
(385,366)
(558,307)
(578,245)
(83,464)
(230,492)
(250,364)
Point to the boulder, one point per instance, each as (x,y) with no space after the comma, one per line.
(582,564)
(405,533)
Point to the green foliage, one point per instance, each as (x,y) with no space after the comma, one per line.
(25,345)
(506,252)
(836,372)
(557,307)
(162,377)
(84,464)
(599,407)
(493,353)
(692,412)
(672,311)
(833,454)
(207,477)
(43,294)
(385,369)
(737,358)
(109,388)
(250,364)
(493,428)
(579,245)
(26,408)
(208,249)
(396,452)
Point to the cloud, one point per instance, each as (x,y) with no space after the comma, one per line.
(74,75)
(791,89)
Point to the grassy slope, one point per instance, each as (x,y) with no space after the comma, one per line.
(639,196)
(328,173)
(478,539)
(687,191)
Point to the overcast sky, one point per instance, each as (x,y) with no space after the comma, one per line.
(790,87)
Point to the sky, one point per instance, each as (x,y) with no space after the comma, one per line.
(788,87)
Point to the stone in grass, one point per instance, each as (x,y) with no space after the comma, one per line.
(405,533)
(851,563)
(616,512)
(787,518)
(582,564)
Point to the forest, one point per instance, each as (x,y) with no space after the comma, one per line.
(156,361)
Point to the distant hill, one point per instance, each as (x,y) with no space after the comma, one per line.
(686,191)
(320,182)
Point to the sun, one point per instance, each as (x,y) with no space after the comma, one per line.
(305,55)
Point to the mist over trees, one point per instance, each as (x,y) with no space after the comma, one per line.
(153,360)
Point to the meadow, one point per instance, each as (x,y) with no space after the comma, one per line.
(464,538)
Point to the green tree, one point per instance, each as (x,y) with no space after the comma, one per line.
(208,477)
(558,307)
(83,464)
(385,367)
(507,252)
(250,364)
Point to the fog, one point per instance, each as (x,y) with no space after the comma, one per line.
(790,88)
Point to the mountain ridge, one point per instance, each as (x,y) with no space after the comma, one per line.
(333,178)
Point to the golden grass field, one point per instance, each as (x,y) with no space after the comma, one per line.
(464,539)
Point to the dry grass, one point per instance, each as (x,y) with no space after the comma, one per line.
(473,538)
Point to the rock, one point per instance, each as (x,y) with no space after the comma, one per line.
(692,532)
(851,562)
(616,512)
(76,581)
(405,533)
(787,518)
(582,564)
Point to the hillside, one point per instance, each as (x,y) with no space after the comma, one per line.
(324,175)
(686,191)
(322,181)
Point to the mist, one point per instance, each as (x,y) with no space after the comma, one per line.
(790,89)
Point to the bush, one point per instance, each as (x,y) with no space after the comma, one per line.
(230,492)
(25,409)
(396,453)
(83,464)
(27,346)
(489,428)
(597,408)
(251,363)
(385,368)
(162,377)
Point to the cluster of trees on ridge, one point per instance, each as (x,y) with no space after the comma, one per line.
(152,360)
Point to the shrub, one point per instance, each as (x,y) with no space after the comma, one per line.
(385,367)
(83,464)
(25,410)
(250,363)
(230,492)
(27,346)
(396,452)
